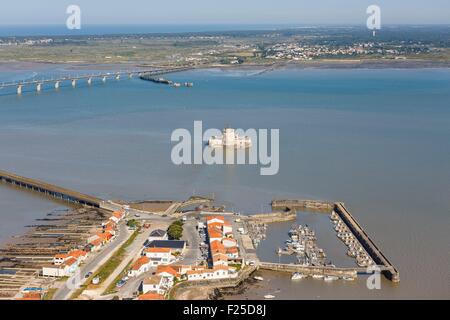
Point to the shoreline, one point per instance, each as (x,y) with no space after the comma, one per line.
(23,65)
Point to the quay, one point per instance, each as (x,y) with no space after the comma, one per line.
(312,270)
(311,205)
(273,216)
(73,80)
(388,270)
(50,189)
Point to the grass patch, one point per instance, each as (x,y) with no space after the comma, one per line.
(112,287)
(238,266)
(49,294)
(115,260)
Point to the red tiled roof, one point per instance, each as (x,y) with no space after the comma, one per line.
(31,296)
(70,261)
(77,253)
(159,250)
(151,296)
(232,250)
(96,242)
(216,245)
(140,262)
(168,269)
(61,256)
(210,218)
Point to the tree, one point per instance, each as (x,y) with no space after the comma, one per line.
(175,230)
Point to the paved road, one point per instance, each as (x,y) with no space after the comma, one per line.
(132,285)
(191,235)
(95,261)
(132,252)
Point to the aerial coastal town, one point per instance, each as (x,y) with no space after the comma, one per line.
(167,249)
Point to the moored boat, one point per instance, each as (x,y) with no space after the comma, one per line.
(297,276)
(330,278)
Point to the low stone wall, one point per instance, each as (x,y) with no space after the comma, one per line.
(311,205)
(274,216)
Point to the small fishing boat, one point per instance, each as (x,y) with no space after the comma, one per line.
(269,296)
(317,276)
(348,278)
(258,278)
(330,278)
(297,276)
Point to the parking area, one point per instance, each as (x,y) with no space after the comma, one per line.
(193,254)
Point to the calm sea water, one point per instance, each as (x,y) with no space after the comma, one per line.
(379,140)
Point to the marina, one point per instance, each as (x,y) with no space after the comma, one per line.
(311,261)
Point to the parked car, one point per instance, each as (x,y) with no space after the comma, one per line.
(96,280)
(120,283)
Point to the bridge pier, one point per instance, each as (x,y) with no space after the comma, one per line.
(57,84)
(74,83)
(19,89)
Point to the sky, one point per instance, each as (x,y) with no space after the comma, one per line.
(32,12)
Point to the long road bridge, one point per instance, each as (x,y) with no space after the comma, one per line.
(89,78)
(50,189)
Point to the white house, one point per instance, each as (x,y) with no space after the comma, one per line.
(60,258)
(219,259)
(232,252)
(156,284)
(229,242)
(64,269)
(168,272)
(212,219)
(214,234)
(140,266)
(117,216)
(159,256)
(219,272)
(227,228)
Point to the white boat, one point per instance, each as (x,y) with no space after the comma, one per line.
(330,278)
(297,276)
(348,278)
(269,296)
(258,278)
(317,276)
